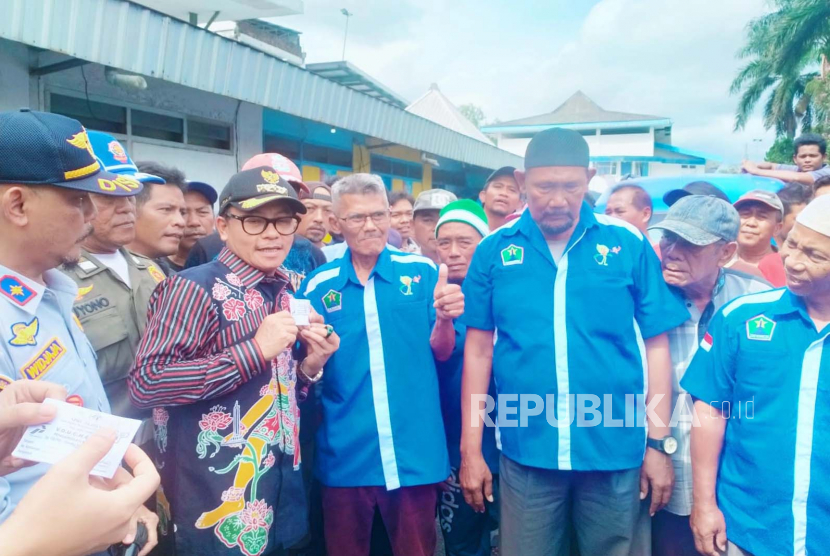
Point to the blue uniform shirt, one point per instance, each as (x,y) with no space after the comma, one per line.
(40,339)
(761,364)
(382,421)
(570,330)
(449,380)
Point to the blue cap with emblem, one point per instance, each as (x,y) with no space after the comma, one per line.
(114,158)
(38,148)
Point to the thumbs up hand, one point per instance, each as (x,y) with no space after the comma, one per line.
(449,301)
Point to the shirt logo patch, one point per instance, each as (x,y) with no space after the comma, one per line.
(15,290)
(43,361)
(512,254)
(25,334)
(4,381)
(406,283)
(332,301)
(83,291)
(118,152)
(760,328)
(157,275)
(603,251)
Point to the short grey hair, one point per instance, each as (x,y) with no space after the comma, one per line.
(358,184)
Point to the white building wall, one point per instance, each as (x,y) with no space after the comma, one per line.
(16,90)
(663,169)
(633,144)
(629,144)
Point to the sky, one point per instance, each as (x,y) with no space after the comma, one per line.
(520,58)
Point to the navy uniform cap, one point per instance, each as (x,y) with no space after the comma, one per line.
(39,148)
(252,188)
(557,147)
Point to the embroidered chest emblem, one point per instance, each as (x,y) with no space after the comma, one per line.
(603,252)
(760,328)
(25,334)
(332,301)
(512,254)
(406,283)
(157,275)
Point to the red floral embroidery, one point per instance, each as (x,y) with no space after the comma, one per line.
(220,292)
(255,513)
(215,421)
(253,299)
(233,279)
(160,416)
(270,460)
(233,309)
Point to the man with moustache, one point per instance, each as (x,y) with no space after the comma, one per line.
(699,237)
(199,218)
(159,224)
(114,285)
(381,442)
(500,196)
(762,215)
(594,300)
(401,204)
(759,381)
(219,363)
(315,223)
(47,174)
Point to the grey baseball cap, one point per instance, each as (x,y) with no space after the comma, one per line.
(767,198)
(433,199)
(701,220)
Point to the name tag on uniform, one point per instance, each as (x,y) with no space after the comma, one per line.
(54,441)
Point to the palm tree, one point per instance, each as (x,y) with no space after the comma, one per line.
(781,45)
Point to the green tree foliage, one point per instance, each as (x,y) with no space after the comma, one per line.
(781,152)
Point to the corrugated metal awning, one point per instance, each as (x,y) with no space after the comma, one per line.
(133,38)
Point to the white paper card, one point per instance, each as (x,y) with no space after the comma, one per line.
(300,309)
(52,442)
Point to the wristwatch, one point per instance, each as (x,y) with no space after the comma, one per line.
(667,444)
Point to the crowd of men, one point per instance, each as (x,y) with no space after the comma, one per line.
(659,397)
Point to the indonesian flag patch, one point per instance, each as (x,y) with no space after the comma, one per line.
(706,344)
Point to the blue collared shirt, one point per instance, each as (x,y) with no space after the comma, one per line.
(761,365)
(382,421)
(42,340)
(570,330)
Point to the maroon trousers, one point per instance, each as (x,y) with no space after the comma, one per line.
(408,514)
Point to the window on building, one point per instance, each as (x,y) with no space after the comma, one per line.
(606,168)
(289,148)
(157,126)
(113,118)
(93,115)
(209,134)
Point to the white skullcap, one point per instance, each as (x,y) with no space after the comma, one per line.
(816,215)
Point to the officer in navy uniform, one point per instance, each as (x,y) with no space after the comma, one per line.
(46,178)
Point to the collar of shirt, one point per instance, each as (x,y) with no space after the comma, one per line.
(383,269)
(528,227)
(62,286)
(249,275)
(788,304)
(91,265)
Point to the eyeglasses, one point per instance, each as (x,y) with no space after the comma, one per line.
(255,225)
(359,220)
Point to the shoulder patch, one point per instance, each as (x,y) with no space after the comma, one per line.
(157,275)
(4,381)
(15,290)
